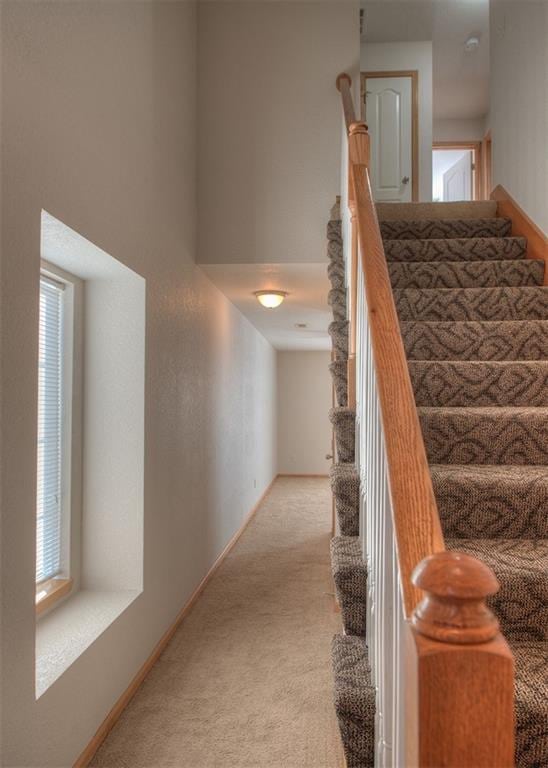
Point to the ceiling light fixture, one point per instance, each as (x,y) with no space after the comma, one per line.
(270,299)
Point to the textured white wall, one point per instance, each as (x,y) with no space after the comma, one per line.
(519,103)
(460,130)
(304,399)
(99,128)
(381,57)
(270,126)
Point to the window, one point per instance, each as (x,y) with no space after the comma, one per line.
(97,399)
(50,431)
(53,506)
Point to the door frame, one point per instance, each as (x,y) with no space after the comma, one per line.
(486,165)
(477,163)
(414,75)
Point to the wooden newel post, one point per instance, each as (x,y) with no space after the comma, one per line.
(465,670)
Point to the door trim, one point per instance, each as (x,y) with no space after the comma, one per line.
(414,75)
(478,171)
(486,165)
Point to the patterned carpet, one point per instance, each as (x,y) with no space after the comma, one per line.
(245,682)
(474,319)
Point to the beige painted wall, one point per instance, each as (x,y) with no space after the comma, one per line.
(381,57)
(270,126)
(459,130)
(304,399)
(100,129)
(519,102)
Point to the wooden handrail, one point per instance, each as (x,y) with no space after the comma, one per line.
(344,83)
(416,520)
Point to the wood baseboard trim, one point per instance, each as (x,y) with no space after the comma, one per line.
(298,474)
(110,720)
(523,226)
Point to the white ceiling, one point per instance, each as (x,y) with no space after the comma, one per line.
(461,79)
(307,286)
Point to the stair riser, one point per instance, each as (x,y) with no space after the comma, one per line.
(337,301)
(344,429)
(334,231)
(355,701)
(467,275)
(493,509)
(476,341)
(453,438)
(472,304)
(339,339)
(439,229)
(531,660)
(479,384)
(339,376)
(335,273)
(521,567)
(460,250)
(345,486)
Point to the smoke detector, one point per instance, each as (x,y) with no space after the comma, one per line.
(472,44)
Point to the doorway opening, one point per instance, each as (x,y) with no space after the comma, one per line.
(456,171)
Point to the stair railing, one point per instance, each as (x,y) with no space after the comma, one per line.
(442,672)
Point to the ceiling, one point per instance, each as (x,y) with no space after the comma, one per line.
(461,79)
(307,286)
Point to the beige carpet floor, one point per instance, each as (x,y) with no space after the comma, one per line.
(246,680)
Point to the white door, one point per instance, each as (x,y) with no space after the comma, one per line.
(457,180)
(388,114)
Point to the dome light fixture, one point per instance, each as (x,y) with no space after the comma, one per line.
(270,299)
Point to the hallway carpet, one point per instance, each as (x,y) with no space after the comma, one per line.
(246,680)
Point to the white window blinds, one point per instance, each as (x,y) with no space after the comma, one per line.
(50,429)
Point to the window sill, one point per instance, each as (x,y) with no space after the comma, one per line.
(50,591)
(63,635)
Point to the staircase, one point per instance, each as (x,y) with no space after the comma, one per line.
(473,315)
(354,693)
(481,389)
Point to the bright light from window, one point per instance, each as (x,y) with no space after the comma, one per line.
(50,427)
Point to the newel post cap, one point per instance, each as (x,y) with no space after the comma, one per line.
(453,609)
(343,76)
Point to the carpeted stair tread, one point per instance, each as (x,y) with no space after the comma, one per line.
(345,485)
(522,303)
(466,274)
(338,330)
(344,428)
(479,383)
(354,697)
(531,686)
(521,567)
(489,435)
(475,340)
(350,578)
(498,501)
(463,209)
(457,249)
(441,229)
(339,375)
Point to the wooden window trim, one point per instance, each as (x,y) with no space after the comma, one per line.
(50,591)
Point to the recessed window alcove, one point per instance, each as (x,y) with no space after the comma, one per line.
(108,554)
